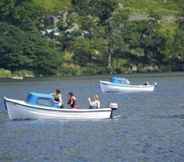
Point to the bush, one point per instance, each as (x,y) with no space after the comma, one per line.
(5,73)
(69,70)
(120,65)
(24,73)
(94,70)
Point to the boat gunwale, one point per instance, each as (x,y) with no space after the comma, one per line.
(37,107)
(125,85)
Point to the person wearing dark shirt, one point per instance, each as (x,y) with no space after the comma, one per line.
(71,100)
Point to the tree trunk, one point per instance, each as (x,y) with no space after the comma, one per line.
(110,61)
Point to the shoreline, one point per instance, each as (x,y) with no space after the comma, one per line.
(100,76)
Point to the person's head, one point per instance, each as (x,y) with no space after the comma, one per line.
(57,91)
(97,97)
(70,94)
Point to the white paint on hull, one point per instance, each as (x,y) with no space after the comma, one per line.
(106,86)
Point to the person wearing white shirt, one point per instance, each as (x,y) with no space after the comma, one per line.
(94,103)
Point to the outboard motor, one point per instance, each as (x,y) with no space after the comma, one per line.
(113,105)
(155,84)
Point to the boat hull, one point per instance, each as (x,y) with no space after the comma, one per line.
(19,110)
(106,86)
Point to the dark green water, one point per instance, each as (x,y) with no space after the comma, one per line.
(148,127)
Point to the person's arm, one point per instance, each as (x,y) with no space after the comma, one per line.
(90,102)
(72,100)
(60,99)
(98,104)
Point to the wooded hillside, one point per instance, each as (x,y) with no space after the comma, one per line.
(77,37)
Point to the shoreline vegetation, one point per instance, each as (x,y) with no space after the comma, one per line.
(41,38)
(19,75)
(25,74)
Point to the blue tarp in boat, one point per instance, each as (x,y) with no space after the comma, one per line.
(120,80)
(44,99)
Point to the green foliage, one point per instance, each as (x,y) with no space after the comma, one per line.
(50,6)
(178,51)
(102,9)
(69,69)
(20,50)
(158,6)
(152,43)
(93,70)
(26,15)
(90,36)
(24,73)
(88,51)
(168,27)
(120,65)
(21,13)
(6,8)
(5,73)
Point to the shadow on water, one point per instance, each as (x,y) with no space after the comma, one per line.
(116,117)
(2,105)
(3,116)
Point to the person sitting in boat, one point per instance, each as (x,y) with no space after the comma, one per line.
(57,98)
(94,103)
(97,101)
(71,100)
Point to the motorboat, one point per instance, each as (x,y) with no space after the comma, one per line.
(41,106)
(118,84)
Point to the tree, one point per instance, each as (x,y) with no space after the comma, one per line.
(20,50)
(152,42)
(6,9)
(115,33)
(178,48)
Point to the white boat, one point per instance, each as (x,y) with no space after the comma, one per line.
(19,110)
(124,86)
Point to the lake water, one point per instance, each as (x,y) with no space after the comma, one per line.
(148,127)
